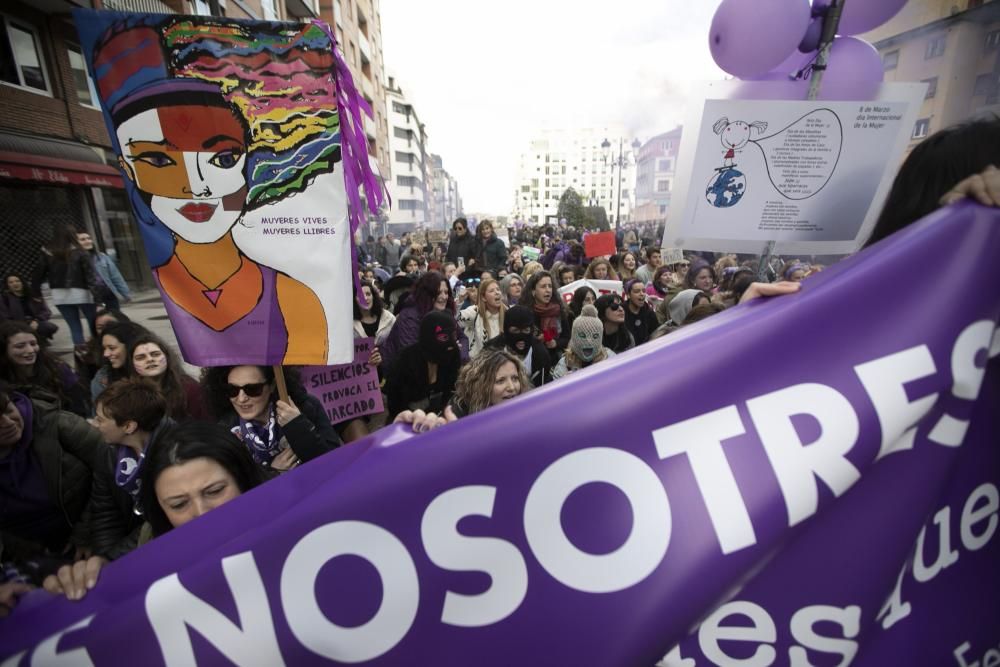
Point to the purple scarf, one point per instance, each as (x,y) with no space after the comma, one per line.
(127,470)
(263,440)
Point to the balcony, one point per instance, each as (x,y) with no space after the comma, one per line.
(370,129)
(366,86)
(365,48)
(302,9)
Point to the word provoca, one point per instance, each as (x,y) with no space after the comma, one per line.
(175,613)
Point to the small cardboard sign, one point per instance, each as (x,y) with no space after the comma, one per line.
(347,391)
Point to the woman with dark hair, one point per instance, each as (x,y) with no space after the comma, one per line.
(193,468)
(611,312)
(639,316)
(462,245)
(491,252)
(700,276)
(189,469)
(149,357)
(662,286)
(794,271)
(372,320)
(27,367)
(550,318)
(115,342)
(928,177)
(67,268)
(87,359)
(583,295)
(280,435)
(19,304)
(423,375)
(431,293)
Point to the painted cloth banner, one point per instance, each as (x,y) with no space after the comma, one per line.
(810,479)
(230,142)
(349,390)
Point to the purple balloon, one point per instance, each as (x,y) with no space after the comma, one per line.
(813,34)
(787,69)
(750,37)
(853,72)
(864,15)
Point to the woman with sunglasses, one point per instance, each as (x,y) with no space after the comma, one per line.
(280,435)
(611,312)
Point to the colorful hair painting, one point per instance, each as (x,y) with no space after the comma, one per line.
(221,129)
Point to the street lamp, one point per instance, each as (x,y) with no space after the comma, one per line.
(621,161)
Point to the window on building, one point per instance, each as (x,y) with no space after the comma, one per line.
(931,87)
(409,204)
(267,7)
(21,61)
(920,128)
(986,85)
(992,40)
(663,209)
(663,186)
(402,133)
(890,60)
(203,8)
(400,108)
(407,181)
(663,165)
(85,91)
(402,156)
(935,47)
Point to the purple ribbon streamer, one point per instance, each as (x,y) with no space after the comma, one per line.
(354,150)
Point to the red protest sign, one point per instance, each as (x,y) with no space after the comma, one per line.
(601,243)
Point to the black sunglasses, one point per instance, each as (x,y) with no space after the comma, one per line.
(253,390)
(615,305)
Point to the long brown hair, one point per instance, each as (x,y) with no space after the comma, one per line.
(171,382)
(483,286)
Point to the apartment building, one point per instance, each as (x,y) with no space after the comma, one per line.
(656,168)
(559,159)
(954,47)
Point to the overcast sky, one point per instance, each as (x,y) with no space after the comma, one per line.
(484,77)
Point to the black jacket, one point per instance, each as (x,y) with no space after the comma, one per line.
(462,246)
(641,325)
(76,271)
(492,254)
(309,435)
(407,385)
(66,449)
(114,524)
(541,359)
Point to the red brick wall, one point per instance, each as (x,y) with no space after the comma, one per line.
(60,115)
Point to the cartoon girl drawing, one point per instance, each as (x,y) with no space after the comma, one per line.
(734,136)
(184,150)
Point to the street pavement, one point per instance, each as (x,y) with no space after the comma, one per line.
(146,308)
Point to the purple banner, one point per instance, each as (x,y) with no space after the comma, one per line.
(349,390)
(810,479)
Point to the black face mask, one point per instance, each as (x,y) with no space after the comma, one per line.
(511,339)
(437,337)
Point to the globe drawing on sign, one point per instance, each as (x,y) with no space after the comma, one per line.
(726,188)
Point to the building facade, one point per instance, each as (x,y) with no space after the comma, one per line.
(656,168)
(358,27)
(561,159)
(56,163)
(953,47)
(447,202)
(410,186)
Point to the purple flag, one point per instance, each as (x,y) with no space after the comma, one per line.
(810,479)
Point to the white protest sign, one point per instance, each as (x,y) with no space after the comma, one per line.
(809,175)
(600,286)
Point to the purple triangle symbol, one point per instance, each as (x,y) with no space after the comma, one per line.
(212,295)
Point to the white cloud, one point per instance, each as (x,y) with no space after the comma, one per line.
(485,76)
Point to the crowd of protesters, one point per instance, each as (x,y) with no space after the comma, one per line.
(101,456)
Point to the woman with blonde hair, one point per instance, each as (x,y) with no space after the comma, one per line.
(531,268)
(600,269)
(490,379)
(484,320)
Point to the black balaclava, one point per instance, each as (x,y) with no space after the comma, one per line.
(518,317)
(437,336)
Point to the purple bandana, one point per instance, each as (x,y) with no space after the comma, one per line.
(263,440)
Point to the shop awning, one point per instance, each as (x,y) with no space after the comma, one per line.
(54,162)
